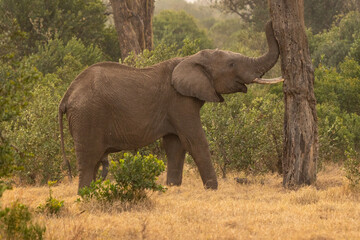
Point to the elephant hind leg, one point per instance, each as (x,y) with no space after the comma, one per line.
(105,166)
(175,159)
(104,162)
(88,164)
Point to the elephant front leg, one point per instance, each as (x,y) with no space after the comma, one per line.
(201,155)
(195,142)
(175,159)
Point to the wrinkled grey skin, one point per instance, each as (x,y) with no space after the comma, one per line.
(111,107)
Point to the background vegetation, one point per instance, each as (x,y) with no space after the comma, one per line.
(45,44)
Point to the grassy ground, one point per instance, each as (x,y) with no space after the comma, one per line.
(260,210)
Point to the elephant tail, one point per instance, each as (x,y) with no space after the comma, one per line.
(62,110)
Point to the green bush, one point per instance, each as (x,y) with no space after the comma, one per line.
(339,134)
(52,205)
(35,134)
(339,87)
(236,36)
(16,82)
(41,20)
(52,55)
(331,47)
(352,168)
(6,164)
(16,223)
(133,175)
(245,133)
(161,53)
(173,27)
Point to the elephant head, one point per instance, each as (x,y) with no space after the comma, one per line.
(209,73)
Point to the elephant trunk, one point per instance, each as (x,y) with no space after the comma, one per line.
(268,60)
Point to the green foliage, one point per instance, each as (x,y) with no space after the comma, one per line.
(109,44)
(204,15)
(133,175)
(352,168)
(320,15)
(239,37)
(340,88)
(52,55)
(41,20)
(332,46)
(35,134)
(245,133)
(12,38)
(173,27)
(16,82)
(6,163)
(45,44)
(16,223)
(337,93)
(334,135)
(161,53)
(52,205)
(254,12)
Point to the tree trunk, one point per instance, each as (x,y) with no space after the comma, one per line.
(300,124)
(133,24)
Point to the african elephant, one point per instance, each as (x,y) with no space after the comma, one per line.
(112,107)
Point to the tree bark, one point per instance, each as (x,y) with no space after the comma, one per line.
(133,24)
(300,121)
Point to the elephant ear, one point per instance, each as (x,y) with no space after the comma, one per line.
(190,78)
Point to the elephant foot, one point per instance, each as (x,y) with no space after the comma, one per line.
(211,184)
(173,183)
(174,178)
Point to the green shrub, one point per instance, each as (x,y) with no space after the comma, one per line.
(16,82)
(161,53)
(352,168)
(334,136)
(236,36)
(245,133)
(331,47)
(16,223)
(52,205)
(6,165)
(43,20)
(339,87)
(174,26)
(133,175)
(51,56)
(35,134)
(339,135)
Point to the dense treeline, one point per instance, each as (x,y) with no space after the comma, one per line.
(45,44)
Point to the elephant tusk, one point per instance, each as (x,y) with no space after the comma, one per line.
(267,81)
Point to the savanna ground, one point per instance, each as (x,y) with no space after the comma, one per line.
(262,209)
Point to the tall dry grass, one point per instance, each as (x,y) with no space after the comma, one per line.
(259,210)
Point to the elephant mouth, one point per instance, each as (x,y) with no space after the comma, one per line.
(220,97)
(241,87)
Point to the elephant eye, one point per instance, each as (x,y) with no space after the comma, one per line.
(231,64)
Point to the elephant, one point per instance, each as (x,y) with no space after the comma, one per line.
(112,107)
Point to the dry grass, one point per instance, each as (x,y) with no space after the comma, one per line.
(261,210)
